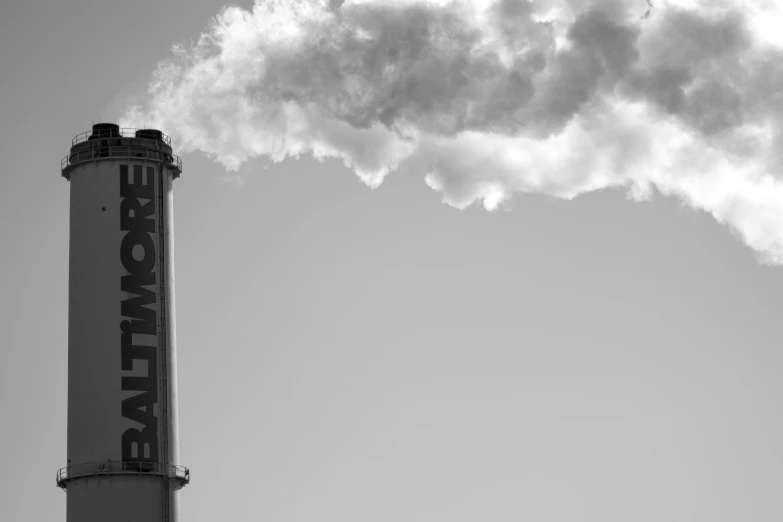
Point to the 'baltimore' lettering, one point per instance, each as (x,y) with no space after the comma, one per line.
(137,253)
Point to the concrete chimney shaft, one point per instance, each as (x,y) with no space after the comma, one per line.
(122,386)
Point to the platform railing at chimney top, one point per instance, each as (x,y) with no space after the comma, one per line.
(124,132)
(120,151)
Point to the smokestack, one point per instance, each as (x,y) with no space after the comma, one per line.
(122,387)
(488,98)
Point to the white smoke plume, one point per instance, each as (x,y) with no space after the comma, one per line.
(486,98)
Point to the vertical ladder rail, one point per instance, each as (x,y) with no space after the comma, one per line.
(164,409)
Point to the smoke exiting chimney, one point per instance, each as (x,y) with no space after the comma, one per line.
(488,98)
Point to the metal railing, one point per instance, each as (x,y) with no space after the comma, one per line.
(180,474)
(119,151)
(124,132)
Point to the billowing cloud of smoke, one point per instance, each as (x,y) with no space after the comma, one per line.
(490,97)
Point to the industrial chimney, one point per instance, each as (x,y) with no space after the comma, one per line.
(122,380)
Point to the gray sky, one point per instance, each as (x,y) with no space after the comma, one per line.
(353,354)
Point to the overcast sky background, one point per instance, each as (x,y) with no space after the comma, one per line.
(348,354)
